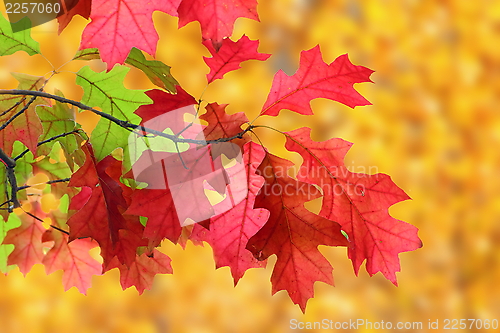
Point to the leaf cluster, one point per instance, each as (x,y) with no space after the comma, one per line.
(150,169)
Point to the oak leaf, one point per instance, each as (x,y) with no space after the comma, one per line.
(229,232)
(316,79)
(359,202)
(216,17)
(73,259)
(119,25)
(230,56)
(292,232)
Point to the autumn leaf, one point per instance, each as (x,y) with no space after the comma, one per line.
(120,25)
(11,42)
(163,103)
(56,120)
(230,56)
(26,127)
(222,125)
(72,8)
(229,232)
(359,202)
(157,72)
(73,259)
(143,270)
(99,214)
(175,191)
(292,232)
(23,171)
(12,222)
(27,241)
(106,90)
(55,171)
(216,17)
(316,79)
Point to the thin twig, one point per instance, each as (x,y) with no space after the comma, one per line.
(46,141)
(62,180)
(51,225)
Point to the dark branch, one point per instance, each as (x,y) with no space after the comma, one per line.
(52,226)
(119,122)
(47,183)
(46,141)
(11,119)
(10,164)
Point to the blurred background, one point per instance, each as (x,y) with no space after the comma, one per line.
(434,126)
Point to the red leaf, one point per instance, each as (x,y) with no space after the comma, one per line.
(222,125)
(230,55)
(359,202)
(164,102)
(73,258)
(119,25)
(174,192)
(27,127)
(230,231)
(316,79)
(27,241)
(74,7)
(292,232)
(101,216)
(159,208)
(143,270)
(216,17)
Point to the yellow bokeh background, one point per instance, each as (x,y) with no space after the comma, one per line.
(434,126)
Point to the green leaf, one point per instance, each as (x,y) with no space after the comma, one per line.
(157,72)
(23,171)
(57,120)
(106,91)
(87,54)
(11,42)
(6,249)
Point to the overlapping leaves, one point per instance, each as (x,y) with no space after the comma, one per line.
(132,187)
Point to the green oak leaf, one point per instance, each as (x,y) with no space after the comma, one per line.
(157,72)
(106,91)
(87,54)
(11,42)
(23,171)
(5,249)
(57,120)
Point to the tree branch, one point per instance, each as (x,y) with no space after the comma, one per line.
(46,141)
(119,122)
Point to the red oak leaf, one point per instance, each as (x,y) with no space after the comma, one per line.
(230,55)
(230,231)
(359,202)
(216,17)
(119,25)
(27,241)
(72,8)
(101,216)
(222,125)
(143,270)
(73,258)
(175,191)
(164,102)
(316,79)
(27,127)
(292,232)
